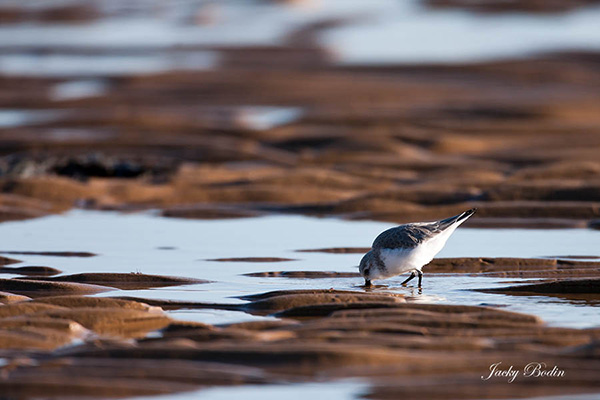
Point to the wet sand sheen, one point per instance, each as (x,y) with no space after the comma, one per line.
(326,331)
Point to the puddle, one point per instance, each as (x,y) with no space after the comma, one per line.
(216,317)
(261,118)
(337,390)
(404,32)
(92,65)
(132,243)
(254,118)
(78,89)
(12,118)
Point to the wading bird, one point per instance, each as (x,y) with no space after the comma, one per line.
(407,248)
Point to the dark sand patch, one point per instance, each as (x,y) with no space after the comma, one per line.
(50,13)
(304,274)
(7,298)
(54,322)
(65,382)
(117,377)
(577,257)
(92,302)
(30,270)
(120,322)
(130,281)
(291,301)
(52,253)
(514,267)
(376,143)
(337,344)
(496,267)
(572,286)
(208,213)
(32,338)
(327,334)
(24,308)
(500,6)
(278,293)
(19,213)
(7,261)
(42,288)
(166,304)
(267,303)
(338,250)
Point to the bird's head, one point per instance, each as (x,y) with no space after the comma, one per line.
(366,265)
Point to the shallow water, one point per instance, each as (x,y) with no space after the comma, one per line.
(344,389)
(148,243)
(12,118)
(77,89)
(405,32)
(337,390)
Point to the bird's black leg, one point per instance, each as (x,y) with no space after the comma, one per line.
(420,277)
(412,275)
(367,283)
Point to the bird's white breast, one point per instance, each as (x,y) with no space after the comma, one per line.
(399,260)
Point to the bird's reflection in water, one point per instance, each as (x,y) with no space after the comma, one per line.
(414,291)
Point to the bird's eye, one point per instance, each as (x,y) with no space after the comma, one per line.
(366,271)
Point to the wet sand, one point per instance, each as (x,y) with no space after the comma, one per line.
(384,339)
(207,277)
(410,143)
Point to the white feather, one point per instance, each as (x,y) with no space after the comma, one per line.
(401,260)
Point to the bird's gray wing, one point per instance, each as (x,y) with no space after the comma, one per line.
(406,236)
(411,235)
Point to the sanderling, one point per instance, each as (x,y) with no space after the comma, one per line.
(408,248)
